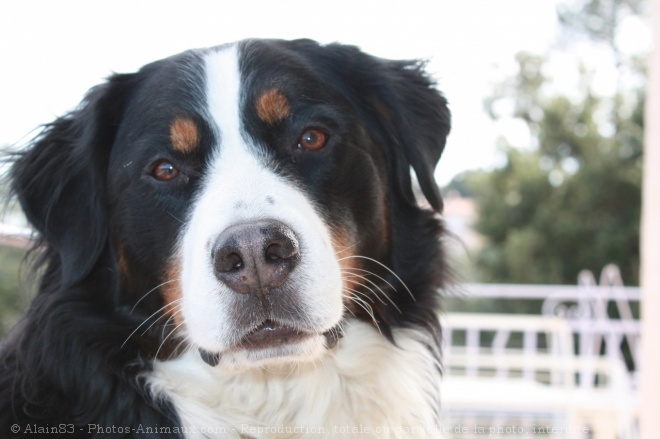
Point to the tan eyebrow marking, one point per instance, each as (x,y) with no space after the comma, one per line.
(184,135)
(273,106)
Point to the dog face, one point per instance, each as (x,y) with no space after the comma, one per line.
(245,200)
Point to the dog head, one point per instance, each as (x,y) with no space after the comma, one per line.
(246,199)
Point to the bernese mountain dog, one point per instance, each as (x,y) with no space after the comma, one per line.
(229,243)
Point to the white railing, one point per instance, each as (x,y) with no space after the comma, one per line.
(600,315)
(571,367)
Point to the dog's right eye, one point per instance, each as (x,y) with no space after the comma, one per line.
(165,171)
(312,140)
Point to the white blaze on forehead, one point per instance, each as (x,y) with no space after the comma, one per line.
(223,94)
(240,187)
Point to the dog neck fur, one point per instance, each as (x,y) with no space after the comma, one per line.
(365,385)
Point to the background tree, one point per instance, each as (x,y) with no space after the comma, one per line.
(572,199)
(13,296)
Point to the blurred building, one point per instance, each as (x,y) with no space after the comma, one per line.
(460,214)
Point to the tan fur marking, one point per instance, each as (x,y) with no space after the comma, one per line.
(184,135)
(122,262)
(344,248)
(273,106)
(171,292)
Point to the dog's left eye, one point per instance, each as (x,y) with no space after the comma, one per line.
(165,171)
(312,139)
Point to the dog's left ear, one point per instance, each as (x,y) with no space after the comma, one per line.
(411,116)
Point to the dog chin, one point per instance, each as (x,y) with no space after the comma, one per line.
(307,349)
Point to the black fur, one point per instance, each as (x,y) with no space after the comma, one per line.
(68,362)
(63,364)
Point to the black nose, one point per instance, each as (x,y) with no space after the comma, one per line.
(255,257)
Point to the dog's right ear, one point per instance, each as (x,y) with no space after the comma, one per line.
(59,180)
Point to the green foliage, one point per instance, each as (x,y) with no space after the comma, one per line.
(13,298)
(572,201)
(13,295)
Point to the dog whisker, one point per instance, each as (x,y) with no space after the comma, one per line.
(367,308)
(359,284)
(151,291)
(385,267)
(173,216)
(389,299)
(348,309)
(371,273)
(162,308)
(346,248)
(162,343)
(359,293)
(167,322)
(188,348)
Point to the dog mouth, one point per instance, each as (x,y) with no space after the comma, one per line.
(269,334)
(272,335)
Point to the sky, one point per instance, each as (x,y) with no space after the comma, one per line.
(52,52)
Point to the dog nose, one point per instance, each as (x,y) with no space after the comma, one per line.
(255,257)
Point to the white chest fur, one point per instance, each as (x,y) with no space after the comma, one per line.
(366,388)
